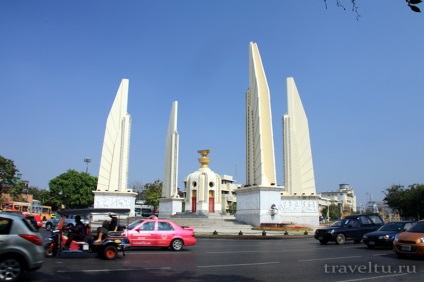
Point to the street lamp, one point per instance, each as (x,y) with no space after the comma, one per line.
(87,160)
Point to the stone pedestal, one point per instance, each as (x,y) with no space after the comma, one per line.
(257,205)
(265,205)
(114,200)
(169,207)
(300,210)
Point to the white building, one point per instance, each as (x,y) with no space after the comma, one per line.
(344,196)
(228,191)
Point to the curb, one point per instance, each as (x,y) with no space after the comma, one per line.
(254,237)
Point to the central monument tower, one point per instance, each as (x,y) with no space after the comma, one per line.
(112,186)
(257,199)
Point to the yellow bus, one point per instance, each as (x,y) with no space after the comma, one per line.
(46,213)
(16,206)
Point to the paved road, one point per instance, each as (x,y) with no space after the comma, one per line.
(238,260)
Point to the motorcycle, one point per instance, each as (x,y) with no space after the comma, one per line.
(108,248)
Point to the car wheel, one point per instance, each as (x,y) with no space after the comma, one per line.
(49,226)
(110,252)
(177,244)
(323,242)
(370,246)
(10,269)
(340,239)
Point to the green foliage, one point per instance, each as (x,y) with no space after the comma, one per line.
(334,213)
(232,208)
(10,182)
(72,189)
(152,193)
(7,171)
(15,192)
(409,202)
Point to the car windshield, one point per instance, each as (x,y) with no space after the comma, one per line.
(392,226)
(338,223)
(417,228)
(134,224)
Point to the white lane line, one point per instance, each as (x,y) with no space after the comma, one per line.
(332,258)
(375,277)
(111,270)
(234,252)
(238,264)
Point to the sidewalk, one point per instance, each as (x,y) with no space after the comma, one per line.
(227,226)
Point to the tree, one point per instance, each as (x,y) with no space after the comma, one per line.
(7,170)
(409,202)
(72,189)
(334,213)
(7,174)
(412,4)
(152,193)
(138,188)
(10,181)
(232,208)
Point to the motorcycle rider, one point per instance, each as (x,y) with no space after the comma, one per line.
(77,232)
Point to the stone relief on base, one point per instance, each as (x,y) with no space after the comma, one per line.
(299,206)
(115,202)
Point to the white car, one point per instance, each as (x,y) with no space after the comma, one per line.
(69,221)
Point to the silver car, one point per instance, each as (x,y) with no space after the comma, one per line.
(21,246)
(69,221)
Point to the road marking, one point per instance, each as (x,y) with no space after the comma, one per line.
(234,252)
(237,264)
(92,270)
(375,277)
(156,253)
(332,258)
(110,270)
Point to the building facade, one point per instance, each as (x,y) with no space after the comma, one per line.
(344,196)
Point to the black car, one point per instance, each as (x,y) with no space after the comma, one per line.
(352,227)
(385,235)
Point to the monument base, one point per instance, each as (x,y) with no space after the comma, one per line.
(300,210)
(169,207)
(257,205)
(122,200)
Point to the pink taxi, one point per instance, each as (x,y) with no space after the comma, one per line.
(154,232)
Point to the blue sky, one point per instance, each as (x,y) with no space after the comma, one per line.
(360,81)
